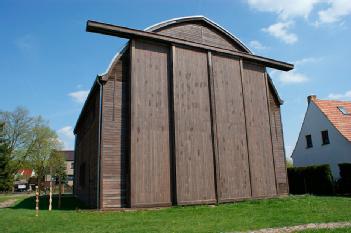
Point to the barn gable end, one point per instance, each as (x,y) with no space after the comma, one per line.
(186,125)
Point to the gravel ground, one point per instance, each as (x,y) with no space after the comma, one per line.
(302,227)
(7,203)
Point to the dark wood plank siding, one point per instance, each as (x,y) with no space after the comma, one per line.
(114,142)
(278,143)
(200,33)
(231,131)
(193,142)
(87,151)
(150,146)
(258,130)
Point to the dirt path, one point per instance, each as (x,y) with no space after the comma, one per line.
(302,227)
(7,203)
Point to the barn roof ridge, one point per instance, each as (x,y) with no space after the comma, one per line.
(198,17)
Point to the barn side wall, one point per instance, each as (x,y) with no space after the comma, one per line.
(86,151)
(114,136)
(278,144)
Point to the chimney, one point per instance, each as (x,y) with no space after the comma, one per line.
(311,98)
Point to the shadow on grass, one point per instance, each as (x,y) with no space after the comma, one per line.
(68,202)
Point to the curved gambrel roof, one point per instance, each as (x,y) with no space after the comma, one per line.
(202,18)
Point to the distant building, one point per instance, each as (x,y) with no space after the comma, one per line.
(325,136)
(69,158)
(25,173)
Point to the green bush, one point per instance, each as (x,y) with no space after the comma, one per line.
(316,180)
(344,183)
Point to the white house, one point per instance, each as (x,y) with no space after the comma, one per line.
(325,136)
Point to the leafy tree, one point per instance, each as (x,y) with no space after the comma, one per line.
(42,143)
(30,141)
(289,163)
(17,128)
(57,168)
(6,173)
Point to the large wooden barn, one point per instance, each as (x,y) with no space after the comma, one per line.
(186,114)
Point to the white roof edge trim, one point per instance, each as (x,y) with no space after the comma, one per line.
(172,21)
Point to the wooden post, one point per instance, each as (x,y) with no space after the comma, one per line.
(36,201)
(50,192)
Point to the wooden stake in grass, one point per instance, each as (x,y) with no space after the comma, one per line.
(50,195)
(36,201)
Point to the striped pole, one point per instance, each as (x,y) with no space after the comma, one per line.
(50,193)
(36,201)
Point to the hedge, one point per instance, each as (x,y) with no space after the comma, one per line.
(344,183)
(316,180)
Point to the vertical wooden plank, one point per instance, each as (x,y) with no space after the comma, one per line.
(172,127)
(132,167)
(150,152)
(258,130)
(241,63)
(193,138)
(212,95)
(234,174)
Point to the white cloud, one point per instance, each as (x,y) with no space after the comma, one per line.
(306,60)
(66,136)
(291,77)
(254,44)
(285,9)
(79,96)
(330,11)
(336,11)
(337,96)
(280,31)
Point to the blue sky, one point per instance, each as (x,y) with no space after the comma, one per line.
(48,62)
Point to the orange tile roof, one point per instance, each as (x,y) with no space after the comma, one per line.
(340,121)
(25,172)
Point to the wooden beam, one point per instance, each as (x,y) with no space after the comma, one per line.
(124,32)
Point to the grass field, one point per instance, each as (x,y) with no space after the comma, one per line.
(223,218)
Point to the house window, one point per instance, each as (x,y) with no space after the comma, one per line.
(325,137)
(343,110)
(82,175)
(72,165)
(309,141)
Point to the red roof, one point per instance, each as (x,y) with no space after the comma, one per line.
(25,172)
(341,121)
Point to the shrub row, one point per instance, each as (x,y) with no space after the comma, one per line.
(343,185)
(316,180)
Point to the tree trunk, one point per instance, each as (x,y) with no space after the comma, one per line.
(60,192)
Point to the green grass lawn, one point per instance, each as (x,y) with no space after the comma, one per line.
(223,218)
